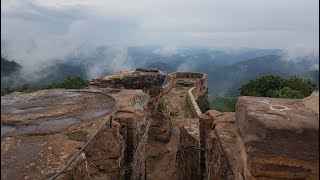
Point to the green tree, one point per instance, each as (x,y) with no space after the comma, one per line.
(287,92)
(261,86)
(304,86)
(275,86)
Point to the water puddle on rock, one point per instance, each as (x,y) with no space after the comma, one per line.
(72,94)
(94,113)
(57,124)
(26,110)
(39,128)
(7,129)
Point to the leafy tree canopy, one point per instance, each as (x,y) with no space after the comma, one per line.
(275,86)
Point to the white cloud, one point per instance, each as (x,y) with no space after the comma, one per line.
(43,30)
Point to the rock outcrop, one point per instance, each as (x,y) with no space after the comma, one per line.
(150,81)
(161,127)
(37,142)
(280,136)
(267,138)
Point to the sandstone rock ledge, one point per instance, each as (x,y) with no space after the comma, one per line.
(36,142)
(266,138)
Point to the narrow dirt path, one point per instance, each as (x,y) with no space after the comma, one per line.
(162,163)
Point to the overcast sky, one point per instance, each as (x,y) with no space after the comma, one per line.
(51,28)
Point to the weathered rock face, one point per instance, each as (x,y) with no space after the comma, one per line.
(188,164)
(267,138)
(150,81)
(36,142)
(161,127)
(280,136)
(222,159)
(137,123)
(105,154)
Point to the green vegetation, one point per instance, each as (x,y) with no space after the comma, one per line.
(203,103)
(71,82)
(78,135)
(24,89)
(306,87)
(224,104)
(267,86)
(275,86)
(161,105)
(188,113)
(286,92)
(117,80)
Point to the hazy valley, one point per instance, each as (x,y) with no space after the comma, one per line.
(227,69)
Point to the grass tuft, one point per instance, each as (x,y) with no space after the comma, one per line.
(78,135)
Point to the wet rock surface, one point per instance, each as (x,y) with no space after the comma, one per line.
(40,152)
(46,112)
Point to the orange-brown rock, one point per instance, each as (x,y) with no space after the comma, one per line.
(161,127)
(266,138)
(222,158)
(280,137)
(35,140)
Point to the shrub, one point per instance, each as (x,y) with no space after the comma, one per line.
(78,135)
(203,103)
(275,86)
(6,91)
(304,86)
(224,104)
(261,86)
(161,105)
(71,82)
(75,82)
(286,92)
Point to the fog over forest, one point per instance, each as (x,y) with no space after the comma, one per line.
(231,41)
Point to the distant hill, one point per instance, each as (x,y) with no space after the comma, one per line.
(312,75)
(165,68)
(12,75)
(227,80)
(227,69)
(9,67)
(60,71)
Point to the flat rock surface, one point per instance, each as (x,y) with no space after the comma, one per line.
(35,141)
(280,137)
(279,114)
(46,112)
